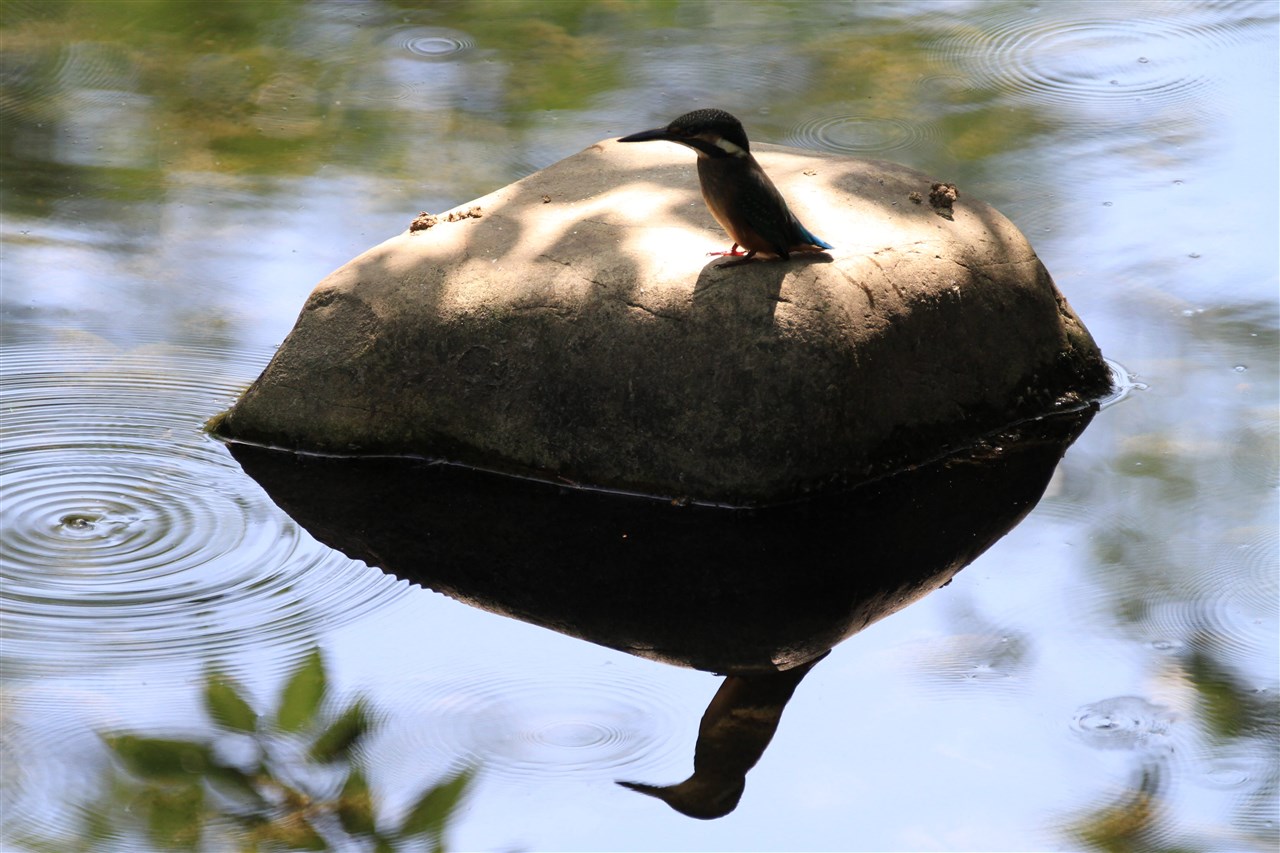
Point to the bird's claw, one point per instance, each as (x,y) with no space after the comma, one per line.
(735,252)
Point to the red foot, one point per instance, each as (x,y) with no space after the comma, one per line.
(734,252)
(737,262)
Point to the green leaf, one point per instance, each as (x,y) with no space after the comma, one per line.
(292,832)
(355,806)
(336,741)
(226,706)
(434,808)
(175,816)
(302,694)
(161,760)
(234,782)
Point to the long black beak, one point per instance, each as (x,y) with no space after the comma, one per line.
(649,136)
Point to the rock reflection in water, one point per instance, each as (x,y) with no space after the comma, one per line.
(758,594)
(733,734)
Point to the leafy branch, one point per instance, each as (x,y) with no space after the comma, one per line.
(291,779)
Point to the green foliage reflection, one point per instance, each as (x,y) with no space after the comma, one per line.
(290,779)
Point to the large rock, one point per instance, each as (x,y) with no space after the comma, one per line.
(576,330)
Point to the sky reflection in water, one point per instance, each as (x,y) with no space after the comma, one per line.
(175,184)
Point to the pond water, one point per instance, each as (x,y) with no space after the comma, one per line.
(178,176)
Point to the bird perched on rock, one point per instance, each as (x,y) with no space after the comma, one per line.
(737,191)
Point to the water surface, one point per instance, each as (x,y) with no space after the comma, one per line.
(177,177)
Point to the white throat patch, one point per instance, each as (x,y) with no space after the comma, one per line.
(729,148)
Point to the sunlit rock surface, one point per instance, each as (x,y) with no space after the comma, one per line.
(577,330)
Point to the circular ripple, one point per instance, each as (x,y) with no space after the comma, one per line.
(46,750)
(28,85)
(382,91)
(97,66)
(431,42)
(1123,722)
(991,661)
(1233,772)
(856,134)
(1119,61)
(602,724)
(127,531)
(45,75)
(947,87)
(1228,609)
(1259,565)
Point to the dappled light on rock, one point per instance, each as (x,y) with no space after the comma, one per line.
(571,327)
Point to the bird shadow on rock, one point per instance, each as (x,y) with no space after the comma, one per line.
(748,293)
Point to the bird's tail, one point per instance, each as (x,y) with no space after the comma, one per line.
(814,239)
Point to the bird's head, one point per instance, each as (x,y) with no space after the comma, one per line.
(710,132)
(703,798)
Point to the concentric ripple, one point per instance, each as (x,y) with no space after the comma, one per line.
(603,724)
(1234,771)
(98,67)
(945,87)
(431,42)
(126,531)
(989,660)
(1124,722)
(1227,609)
(1117,61)
(42,76)
(857,134)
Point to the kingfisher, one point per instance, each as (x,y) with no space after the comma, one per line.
(737,191)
